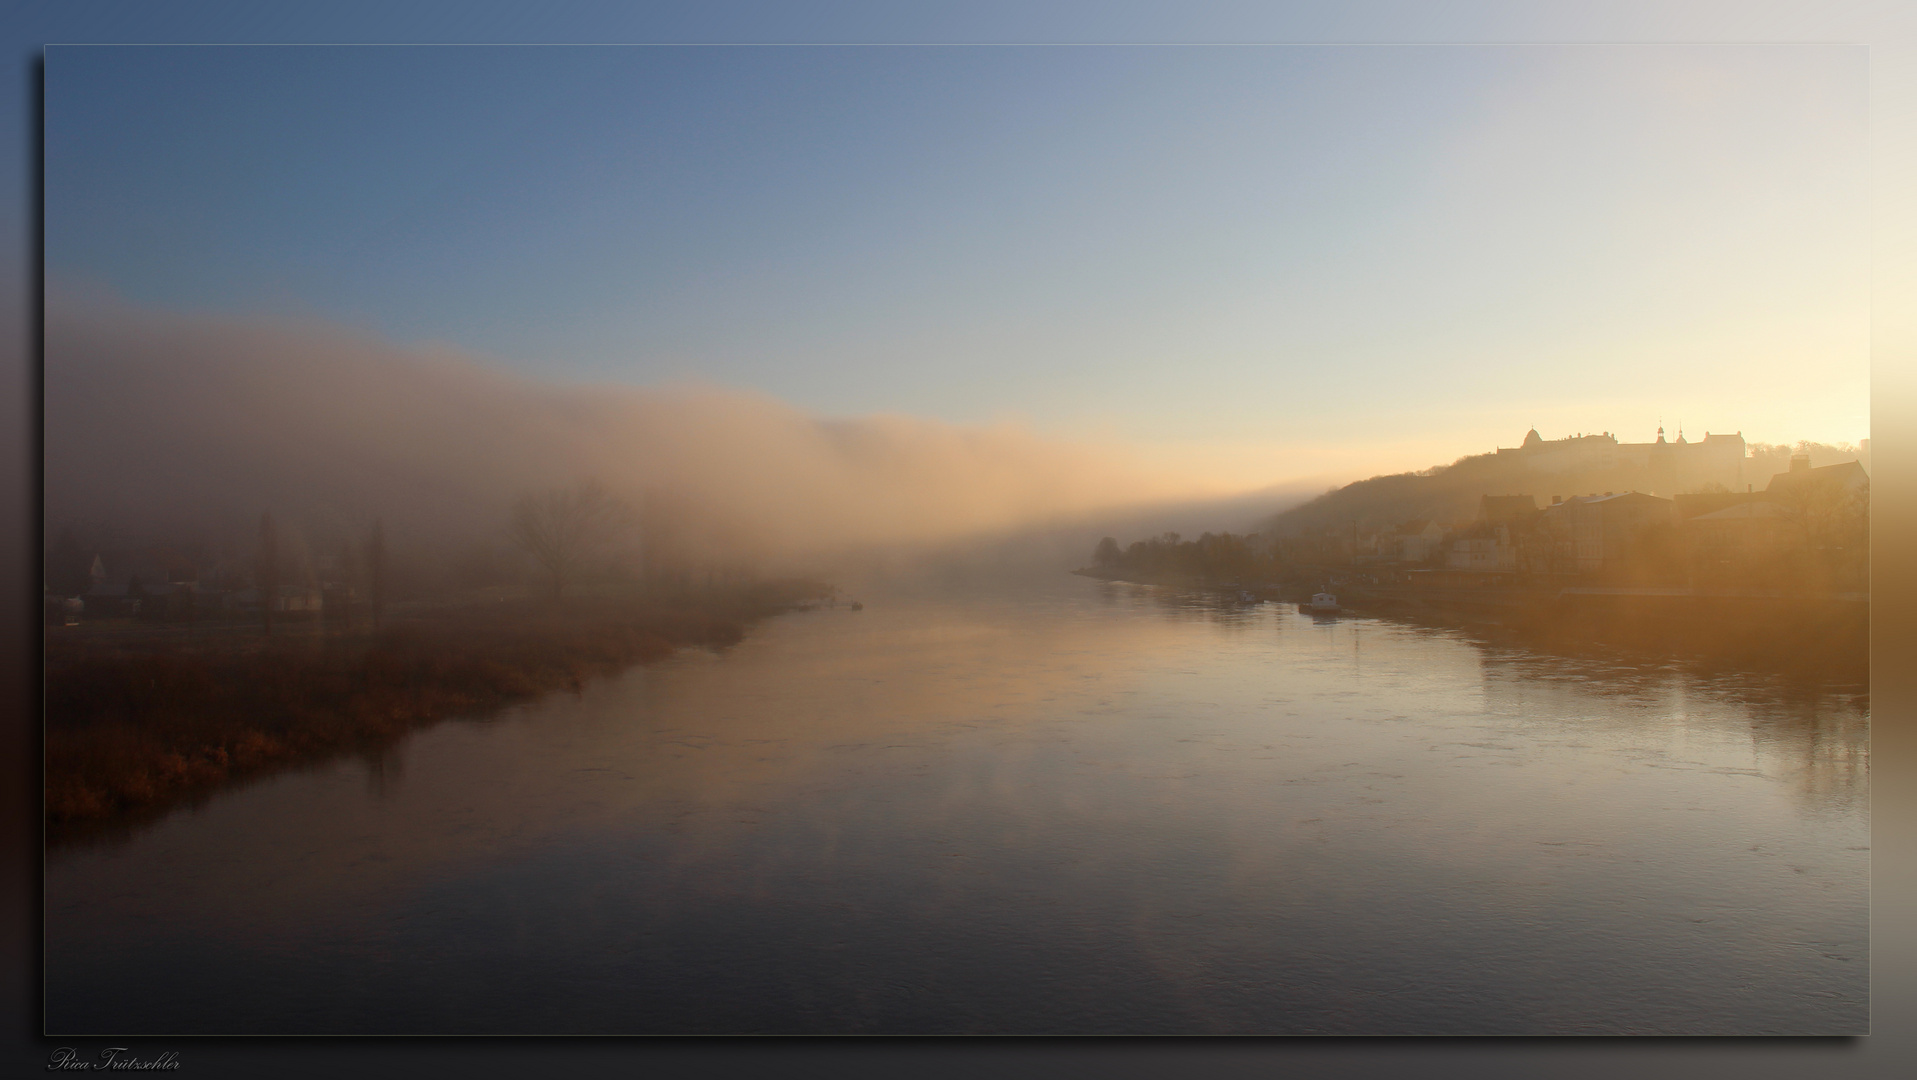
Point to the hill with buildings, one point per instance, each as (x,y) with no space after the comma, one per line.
(1717,549)
(1548,470)
(1592,511)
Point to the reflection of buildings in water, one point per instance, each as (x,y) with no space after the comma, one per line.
(1220,606)
(1824,742)
(1816,737)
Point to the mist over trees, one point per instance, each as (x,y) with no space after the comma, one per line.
(567,530)
(266,577)
(1212,558)
(376,570)
(184,428)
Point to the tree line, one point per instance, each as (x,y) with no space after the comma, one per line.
(1213,558)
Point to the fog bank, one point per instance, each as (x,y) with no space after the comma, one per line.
(171,425)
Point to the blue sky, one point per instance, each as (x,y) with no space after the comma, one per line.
(1258,261)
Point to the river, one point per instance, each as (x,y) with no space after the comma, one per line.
(1080,808)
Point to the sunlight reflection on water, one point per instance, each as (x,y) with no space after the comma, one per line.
(1087,808)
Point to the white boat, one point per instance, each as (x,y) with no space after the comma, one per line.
(1321,604)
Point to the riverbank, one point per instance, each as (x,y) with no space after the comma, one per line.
(139,722)
(1826,637)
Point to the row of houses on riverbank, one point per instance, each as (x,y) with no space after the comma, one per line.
(173,583)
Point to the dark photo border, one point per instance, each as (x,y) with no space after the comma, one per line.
(1890,29)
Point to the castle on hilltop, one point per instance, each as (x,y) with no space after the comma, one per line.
(1672,466)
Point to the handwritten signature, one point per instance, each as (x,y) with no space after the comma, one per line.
(113,1057)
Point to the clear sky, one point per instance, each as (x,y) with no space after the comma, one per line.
(1261,261)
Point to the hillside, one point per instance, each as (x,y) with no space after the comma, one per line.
(1450,493)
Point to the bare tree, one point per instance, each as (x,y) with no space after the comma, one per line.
(267,576)
(376,569)
(1832,522)
(565,529)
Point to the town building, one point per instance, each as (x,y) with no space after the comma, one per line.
(1495,541)
(1590,534)
(1412,542)
(1689,505)
(1671,465)
(1742,539)
(1483,548)
(1845,476)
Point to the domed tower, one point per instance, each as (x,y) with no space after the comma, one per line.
(1532,440)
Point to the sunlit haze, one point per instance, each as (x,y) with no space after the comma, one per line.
(934,540)
(1247,265)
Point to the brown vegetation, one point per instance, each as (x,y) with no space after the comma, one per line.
(1825,641)
(141,723)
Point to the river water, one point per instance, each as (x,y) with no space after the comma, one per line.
(1081,808)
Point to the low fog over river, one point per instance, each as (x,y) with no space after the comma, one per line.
(1075,807)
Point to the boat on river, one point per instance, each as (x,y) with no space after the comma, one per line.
(1320,604)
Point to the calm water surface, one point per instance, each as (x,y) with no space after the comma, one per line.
(1083,808)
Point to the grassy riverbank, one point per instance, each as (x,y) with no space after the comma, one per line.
(136,722)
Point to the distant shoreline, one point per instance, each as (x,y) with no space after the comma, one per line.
(1822,636)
